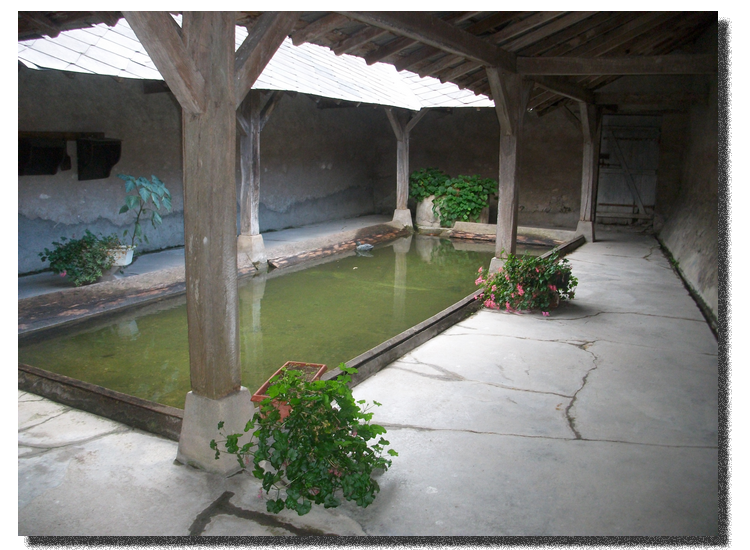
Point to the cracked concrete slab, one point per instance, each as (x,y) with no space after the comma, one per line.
(452,483)
(666,398)
(514,363)
(410,399)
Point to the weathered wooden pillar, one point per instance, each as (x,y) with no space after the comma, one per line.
(591,124)
(510,93)
(402,125)
(209,80)
(252,116)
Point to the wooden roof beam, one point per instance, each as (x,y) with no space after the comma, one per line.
(319,27)
(438,34)
(357,39)
(41,22)
(639,65)
(262,41)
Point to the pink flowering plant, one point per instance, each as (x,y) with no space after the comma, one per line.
(527,283)
(324,449)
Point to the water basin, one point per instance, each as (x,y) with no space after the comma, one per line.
(326,313)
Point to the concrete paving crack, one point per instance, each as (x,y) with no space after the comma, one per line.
(77,441)
(52,417)
(568,415)
(526,436)
(222,506)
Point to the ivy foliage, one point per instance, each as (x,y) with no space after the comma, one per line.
(464,199)
(528,282)
(324,450)
(81,260)
(456,199)
(426,182)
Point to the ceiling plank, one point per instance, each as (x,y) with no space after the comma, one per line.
(322,26)
(517,29)
(160,37)
(574,35)
(389,49)
(39,21)
(547,30)
(357,39)
(656,64)
(262,41)
(439,34)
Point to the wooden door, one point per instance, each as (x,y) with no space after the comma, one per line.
(628,165)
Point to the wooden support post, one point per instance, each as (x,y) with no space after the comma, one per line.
(252,116)
(511,95)
(199,63)
(402,125)
(591,124)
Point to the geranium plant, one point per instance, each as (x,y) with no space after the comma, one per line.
(319,452)
(145,198)
(81,260)
(527,282)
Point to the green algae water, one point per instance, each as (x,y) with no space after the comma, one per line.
(328,313)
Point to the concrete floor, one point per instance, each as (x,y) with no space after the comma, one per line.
(600,420)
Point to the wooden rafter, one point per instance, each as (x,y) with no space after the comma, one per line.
(516,29)
(355,40)
(572,36)
(317,28)
(161,38)
(547,30)
(438,34)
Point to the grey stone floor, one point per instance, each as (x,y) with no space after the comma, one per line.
(600,420)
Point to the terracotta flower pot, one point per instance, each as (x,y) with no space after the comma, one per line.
(312,371)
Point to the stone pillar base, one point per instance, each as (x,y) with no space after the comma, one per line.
(586,228)
(403,217)
(199,427)
(253,248)
(496,265)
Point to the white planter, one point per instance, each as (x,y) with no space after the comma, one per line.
(426,218)
(122,255)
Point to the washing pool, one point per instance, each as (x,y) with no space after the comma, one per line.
(325,313)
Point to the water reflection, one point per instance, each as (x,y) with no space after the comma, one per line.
(400,249)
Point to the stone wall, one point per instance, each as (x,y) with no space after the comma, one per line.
(316,164)
(690,231)
(50,207)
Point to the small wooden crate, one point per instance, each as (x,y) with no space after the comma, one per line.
(313,371)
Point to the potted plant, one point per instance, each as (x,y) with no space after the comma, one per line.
(81,260)
(319,451)
(310,372)
(527,283)
(145,198)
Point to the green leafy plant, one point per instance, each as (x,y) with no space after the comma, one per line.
(463,199)
(316,453)
(81,260)
(527,282)
(146,198)
(426,182)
